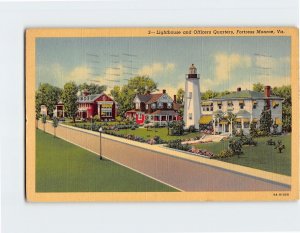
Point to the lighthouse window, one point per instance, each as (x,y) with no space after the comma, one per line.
(190,116)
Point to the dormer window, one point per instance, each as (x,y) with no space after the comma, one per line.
(242,104)
(160,105)
(219,103)
(254,104)
(169,105)
(275,104)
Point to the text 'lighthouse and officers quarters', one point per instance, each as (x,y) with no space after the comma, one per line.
(154,107)
(245,105)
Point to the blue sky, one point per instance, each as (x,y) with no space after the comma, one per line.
(224,63)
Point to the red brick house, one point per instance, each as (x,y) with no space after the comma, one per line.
(157,107)
(97,104)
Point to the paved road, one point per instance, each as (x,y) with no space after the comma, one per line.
(180,173)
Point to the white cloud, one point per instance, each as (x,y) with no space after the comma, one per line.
(156,68)
(227,63)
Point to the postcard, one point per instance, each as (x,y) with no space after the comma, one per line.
(162,114)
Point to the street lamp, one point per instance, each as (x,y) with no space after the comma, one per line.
(100,131)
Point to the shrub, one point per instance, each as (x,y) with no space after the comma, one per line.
(132,127)
(192,129)
(271,142)
(178,128)
(176,144)
(225,153)
(279,146)
(235,145)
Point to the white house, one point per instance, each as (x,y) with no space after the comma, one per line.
(247,106)
(192,98)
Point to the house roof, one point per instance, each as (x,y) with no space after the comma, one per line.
(154,98)
(243,114)
(245,94)
(177,106)
(88,98)
(164,112)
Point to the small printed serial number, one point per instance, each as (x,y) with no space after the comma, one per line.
(281,194)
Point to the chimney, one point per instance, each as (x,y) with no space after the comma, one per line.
(148,92)
(164,91)
(267,91)
(238,89)
(175,99)
(85,92)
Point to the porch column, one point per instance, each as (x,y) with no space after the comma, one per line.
(159,119)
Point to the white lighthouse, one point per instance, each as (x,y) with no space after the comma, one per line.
(192,98)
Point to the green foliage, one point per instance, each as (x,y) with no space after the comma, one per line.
(176,144)
(271,142)
(259,87)
(266,121)
(47,95)
(192,129)
(180,96)
(118,119)
(279,146)
(69,98)
(124,95)
(92,88)
(253,129)
(55,122)
(235,145)
(96,118)
(209,94)
(177,128)
(225,153)
(285,93)
(44,119)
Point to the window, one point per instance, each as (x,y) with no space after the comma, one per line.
(146,106)
(140,116)
(238,125)
(242,106)
(106,112)
(137,105)
(220,106)
(190,116)
(169,105)
(211,108)
(207,108)
(153,106)
(246,125)
(160,105)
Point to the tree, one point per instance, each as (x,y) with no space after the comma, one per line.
(259,87)
(180,96)
(142,84)
(124,95)
(265,121)
(253,129)
(285,93)
(92,88)
(55,124)
(37,117)
(230,118)
(47,95)
(209,94)
(44,120)
(69,98)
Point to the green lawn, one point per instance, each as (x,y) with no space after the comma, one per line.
(64,167)
(161,132)
(263,157)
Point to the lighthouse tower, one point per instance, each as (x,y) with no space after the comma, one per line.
(192,98)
